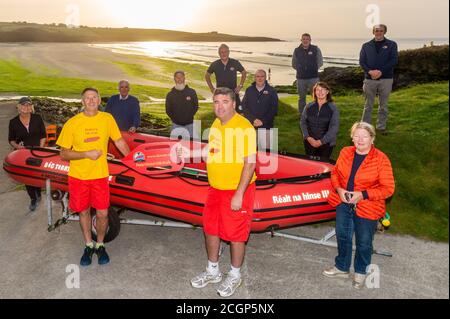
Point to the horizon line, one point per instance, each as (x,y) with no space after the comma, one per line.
(296,37)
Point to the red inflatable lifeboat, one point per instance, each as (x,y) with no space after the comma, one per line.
(291,189)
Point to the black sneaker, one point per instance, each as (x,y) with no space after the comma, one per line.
(86,259)
(33,205)
(102,255)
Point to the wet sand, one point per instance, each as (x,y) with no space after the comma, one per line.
(80,60)
(74,60)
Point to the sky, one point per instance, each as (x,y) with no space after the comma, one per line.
(285,19)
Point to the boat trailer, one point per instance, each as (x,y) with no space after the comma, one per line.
(326,240)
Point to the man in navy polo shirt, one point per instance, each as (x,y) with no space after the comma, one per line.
(378,58)
(125,108)
(226,70)
(260,105)
(306,60)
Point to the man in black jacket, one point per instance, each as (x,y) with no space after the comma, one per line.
(260,105)
(181,106)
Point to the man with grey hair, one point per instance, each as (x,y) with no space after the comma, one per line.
(226,70)
(125,108)
(306,60)
(181,105)
(260,105)
(378,58)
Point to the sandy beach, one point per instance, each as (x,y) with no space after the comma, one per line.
(80,60)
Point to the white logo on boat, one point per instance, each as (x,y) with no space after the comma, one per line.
(139,157)
(56,166)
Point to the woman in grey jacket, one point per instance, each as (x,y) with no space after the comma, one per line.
(320,122)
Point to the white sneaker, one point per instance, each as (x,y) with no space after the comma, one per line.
(229,286)
(205,278)
(359,280)
(333,272)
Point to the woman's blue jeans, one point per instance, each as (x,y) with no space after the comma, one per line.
(348,223)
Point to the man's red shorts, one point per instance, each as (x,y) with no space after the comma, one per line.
(219,220)
(90,193)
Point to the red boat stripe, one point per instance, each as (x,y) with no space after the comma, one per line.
(157,204)
(255,220)
(34,177)
(293,216)
(262,210)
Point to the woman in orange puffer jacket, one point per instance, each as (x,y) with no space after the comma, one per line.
(363,180)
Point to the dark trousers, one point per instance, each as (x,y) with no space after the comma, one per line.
(33,192)
(322,151)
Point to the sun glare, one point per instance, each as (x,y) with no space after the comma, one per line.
(154,14)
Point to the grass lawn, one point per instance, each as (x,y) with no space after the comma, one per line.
(18,80)
(417,143)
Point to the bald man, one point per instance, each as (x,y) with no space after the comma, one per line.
(125,108)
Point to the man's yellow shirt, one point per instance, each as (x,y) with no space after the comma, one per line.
(228,145)
(83,133)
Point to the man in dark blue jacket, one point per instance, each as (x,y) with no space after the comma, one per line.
(260,105)
(306,60)
(125,108)
(378,58)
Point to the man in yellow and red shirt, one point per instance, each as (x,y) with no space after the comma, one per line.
(229,205)
(84,142)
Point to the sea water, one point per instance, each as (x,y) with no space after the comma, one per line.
(274,57)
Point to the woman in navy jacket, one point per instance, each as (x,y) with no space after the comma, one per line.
(320,122)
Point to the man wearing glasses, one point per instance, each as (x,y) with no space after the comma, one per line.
(125,108)
(378,58)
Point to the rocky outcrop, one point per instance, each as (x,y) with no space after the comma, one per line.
(55,111)
(429,64)
(342,79)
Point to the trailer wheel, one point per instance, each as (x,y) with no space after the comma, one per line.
(113,225)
